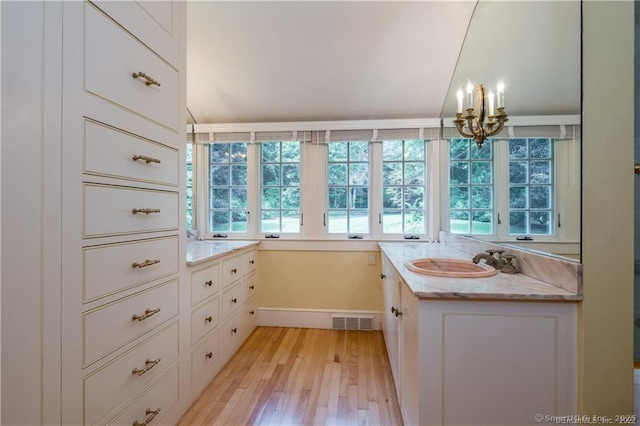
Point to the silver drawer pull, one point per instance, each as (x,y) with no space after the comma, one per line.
(148,365)
(148,79)
(145,211)
(146,263)
(146,159)
(147,313)
(152,415)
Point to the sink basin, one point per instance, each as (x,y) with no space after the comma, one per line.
(450,268)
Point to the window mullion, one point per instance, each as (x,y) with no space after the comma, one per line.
(253,189)
(501,187)
(375,185)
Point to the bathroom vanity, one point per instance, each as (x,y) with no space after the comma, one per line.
(492,350)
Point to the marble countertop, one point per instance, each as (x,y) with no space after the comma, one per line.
(203,251)
(500,286)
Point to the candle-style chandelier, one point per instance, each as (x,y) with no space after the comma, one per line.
(473,125)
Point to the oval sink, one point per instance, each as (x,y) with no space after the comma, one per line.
(450,268)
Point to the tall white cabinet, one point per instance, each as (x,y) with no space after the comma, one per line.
(94,309)
(123,138)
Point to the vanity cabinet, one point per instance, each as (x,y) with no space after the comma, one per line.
(461,361)
(223,297)
(122,194)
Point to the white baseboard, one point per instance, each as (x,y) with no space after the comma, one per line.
(309,318)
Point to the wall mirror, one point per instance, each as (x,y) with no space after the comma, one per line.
(535,48)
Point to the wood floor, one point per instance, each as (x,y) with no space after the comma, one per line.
(297,376)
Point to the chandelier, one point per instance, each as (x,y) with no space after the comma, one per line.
(473,125)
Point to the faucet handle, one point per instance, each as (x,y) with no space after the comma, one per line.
(490,251)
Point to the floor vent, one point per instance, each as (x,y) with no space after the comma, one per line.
(352,323)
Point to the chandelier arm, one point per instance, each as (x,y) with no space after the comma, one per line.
(459,126)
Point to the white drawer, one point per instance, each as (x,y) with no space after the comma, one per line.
(249,262)
(231,270)
(205,355)
(153,22)
(115,267)
(231,335)
(112,56)
(205,283)
(111,210)
(116,153)
(204,319)
(115,382)
(249,317)
(113,325)
(249,287)
(159,399)
(230,300)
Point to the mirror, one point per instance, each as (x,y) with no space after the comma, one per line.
(534,47)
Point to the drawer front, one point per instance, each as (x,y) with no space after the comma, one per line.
(111,210)
(249,287)
(113,325)
(116,153)
(152,22)
(159,399)
(205,355)
(115,267)
(112,56)
(249,262)
(231,270)
(204,319)
(230,300)
(105,388)
(231,336)
(249,317)
(204,283)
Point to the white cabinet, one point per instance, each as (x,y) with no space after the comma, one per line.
(223,312)
(479,362)
(122,213)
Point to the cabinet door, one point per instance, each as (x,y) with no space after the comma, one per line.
(408,365)
(391,291)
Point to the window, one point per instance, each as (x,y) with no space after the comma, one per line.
(530,186)
(403,186)
(348,187)
(190,188)
(228,187)
(471,187)
(280,187)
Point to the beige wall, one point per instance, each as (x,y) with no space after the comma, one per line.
(606,314)
(320,280)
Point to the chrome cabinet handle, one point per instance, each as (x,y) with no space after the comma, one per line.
(146,159)
(148,365)
(145,211)
(148,79)
(147,313)
(146,263)
(149,412)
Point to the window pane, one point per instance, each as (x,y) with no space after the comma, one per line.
(392,173)
(270,174)
(540,222)
(337,174)
(518,222)
(518,172)
(392,151)
(540,197)
(484,153)
(228,187)
(392,222)
(414,150)
(481,172)
(481,197)
(359,221)
(392,197)
(280,181)
(414,173)
(459,149)
(459,172)
(482,222)
(348,186)
(518,149)
(459,222)
(414,222)
(414,198)
(459,197)
(540,172)
(540,148)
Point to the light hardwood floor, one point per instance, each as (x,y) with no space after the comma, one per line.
(297,376)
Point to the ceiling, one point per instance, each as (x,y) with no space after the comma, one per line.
(268,61)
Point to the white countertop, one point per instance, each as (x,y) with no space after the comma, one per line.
(203,251)
(500,286)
